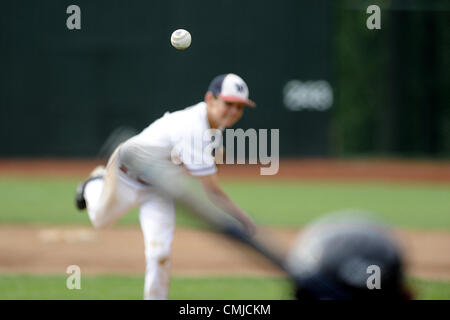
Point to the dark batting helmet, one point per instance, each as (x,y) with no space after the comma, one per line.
(347,257)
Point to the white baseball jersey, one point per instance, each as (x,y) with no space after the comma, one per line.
(188,133)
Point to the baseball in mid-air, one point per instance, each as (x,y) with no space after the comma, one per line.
(181,39)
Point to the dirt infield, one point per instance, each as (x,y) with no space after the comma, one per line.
(36,249)
(195,252)
(320,169)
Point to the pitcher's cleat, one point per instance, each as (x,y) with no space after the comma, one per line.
(80,201)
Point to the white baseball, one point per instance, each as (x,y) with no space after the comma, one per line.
(181,39)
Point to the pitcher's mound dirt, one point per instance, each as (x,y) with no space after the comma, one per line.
(31,249)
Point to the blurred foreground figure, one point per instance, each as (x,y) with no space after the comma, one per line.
(343,257)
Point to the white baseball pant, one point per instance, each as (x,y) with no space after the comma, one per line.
(110,198)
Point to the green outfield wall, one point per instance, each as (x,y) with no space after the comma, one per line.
(317,73)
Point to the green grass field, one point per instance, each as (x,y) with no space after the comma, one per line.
(131,287)
(281,203)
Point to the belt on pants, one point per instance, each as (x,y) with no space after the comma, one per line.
(126,171)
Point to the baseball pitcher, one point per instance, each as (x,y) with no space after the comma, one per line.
(184,137)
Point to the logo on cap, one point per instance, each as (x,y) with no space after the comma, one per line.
(239,87)
(231,87)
